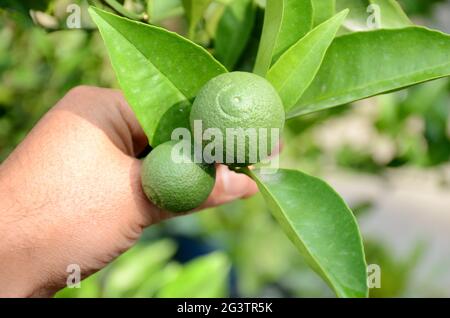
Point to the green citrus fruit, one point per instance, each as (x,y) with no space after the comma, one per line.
(243,103)
(173,181)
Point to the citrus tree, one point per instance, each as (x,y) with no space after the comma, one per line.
(317,54)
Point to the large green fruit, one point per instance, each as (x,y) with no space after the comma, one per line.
(245,102)
(173,181)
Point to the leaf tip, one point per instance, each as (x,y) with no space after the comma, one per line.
(93,12)
(92,9)
(343,14)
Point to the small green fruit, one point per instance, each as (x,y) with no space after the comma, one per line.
(240,100)
(173,181)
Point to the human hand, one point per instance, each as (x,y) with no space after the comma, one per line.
(70,193)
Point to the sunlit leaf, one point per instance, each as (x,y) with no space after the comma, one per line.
(323,10)
(295,70)
(365,64)
(205,276)
(285,22)
(159,72)
(320,225)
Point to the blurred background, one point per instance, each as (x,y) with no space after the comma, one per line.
(388,156)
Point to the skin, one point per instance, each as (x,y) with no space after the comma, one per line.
(70,193)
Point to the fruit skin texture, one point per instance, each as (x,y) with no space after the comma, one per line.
(175,186)
(239,100)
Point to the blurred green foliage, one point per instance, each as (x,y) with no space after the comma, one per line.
(419,7)
(147,271)
(249,255)
(37,68)
(396,273)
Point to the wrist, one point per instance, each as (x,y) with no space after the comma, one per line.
(21,272)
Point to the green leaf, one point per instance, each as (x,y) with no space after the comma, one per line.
(357,17)
(233,31)
(159,71)
(153,283)
(132,268)
(323,10)
(295,70)
(194,12)
(205,276)
(370,14)
(285,22)
(320,225)
(365,64)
